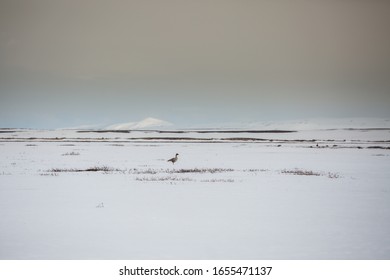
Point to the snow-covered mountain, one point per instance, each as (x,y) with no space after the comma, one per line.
(324,123)
(304,124)
(147,123)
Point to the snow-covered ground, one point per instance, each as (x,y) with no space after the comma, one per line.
(310,194)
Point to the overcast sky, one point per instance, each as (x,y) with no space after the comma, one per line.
(76,62)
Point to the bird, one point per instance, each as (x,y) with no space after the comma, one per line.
(174,159)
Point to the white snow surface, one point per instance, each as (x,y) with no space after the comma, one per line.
(310,194)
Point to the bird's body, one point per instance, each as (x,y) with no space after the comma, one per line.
(174,159)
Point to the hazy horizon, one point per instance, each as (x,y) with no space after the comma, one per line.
(72,63)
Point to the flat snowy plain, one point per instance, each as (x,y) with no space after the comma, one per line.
(309,194)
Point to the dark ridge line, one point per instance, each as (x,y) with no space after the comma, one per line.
(200,141)
(188,131)
(65,140)
(232,131)
(209,142)
(359,129)
(174,138)
(130,139)
(103,131)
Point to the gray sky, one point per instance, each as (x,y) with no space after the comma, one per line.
(69,63)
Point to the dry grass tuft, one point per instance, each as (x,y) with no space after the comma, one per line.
(255,170)
(162,179)
(202,170)
(105,169)
(333,175)
(179,171)
(303,172)
(71,154)
(300,172)
(218,181)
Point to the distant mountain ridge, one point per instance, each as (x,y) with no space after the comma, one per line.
(303,124)
(297,124)
(326,123)
(147,123)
